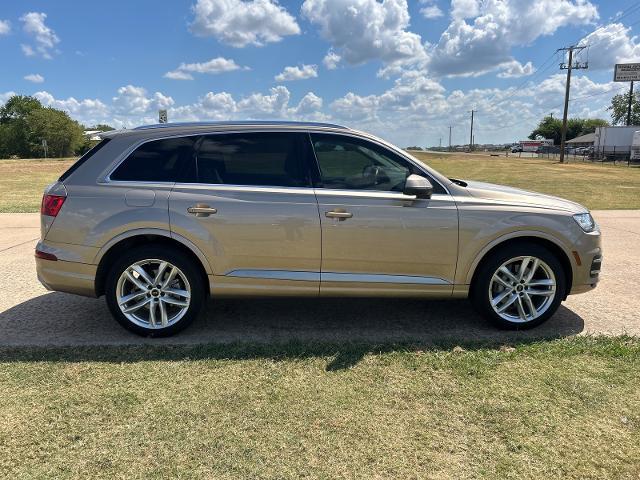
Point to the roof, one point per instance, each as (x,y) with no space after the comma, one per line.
(588,138)
(189,127)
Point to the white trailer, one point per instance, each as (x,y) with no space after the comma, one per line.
(614,141)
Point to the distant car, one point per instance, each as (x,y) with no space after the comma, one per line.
(158,218)
(516,149)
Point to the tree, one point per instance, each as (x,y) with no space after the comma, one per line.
(63,135)
(590,125)
(101,127)
(619,106)
(550,127)
(14,125)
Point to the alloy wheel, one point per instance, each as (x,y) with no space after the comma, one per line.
(153,293)
(522,289)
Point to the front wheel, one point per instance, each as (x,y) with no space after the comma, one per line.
(154,291)
(519,287)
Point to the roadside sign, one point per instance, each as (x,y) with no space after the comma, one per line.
(162,116)
(626,72)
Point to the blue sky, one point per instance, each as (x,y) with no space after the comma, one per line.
(402,69)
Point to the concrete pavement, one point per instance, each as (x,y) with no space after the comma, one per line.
(31,316)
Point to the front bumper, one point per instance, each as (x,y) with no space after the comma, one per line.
(586,273)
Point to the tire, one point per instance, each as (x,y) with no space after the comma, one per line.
(173,300)
(545,290)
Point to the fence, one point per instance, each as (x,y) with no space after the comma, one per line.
(614,154)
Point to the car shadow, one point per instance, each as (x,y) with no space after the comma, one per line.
(246,328)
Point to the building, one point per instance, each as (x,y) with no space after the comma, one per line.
(582,141)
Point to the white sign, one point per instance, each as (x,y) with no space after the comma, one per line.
(162,116)
(626,72)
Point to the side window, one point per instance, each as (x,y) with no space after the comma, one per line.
(157,161)
(269,159)
(350,163)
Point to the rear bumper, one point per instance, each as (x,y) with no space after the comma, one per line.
(69,277)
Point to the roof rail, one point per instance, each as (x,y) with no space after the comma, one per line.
(240,122)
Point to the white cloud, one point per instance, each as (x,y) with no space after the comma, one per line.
(135,101)
(331,60)
(240,23)
(44,37)
(6,96)
(310,103)
(87,111)
(515,69)
(178,75)
(5,27)
(363,30)
(213,66)
(611,44)
(430,10)
(484,43)
(297,73)
(34,77)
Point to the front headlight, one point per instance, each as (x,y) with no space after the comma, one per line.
(586,221)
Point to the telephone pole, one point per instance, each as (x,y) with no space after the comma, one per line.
(629,106)
(471,134)
(450,137)
(569,66)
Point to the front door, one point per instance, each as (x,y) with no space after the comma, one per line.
(376,241)
(249,206)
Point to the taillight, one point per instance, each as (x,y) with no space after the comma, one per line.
(51,204)
(45,255)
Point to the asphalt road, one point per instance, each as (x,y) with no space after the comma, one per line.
(32,316)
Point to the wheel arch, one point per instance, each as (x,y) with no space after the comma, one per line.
(546,241)
(110,251)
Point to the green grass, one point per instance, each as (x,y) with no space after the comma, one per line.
(561,409)
(22,182)
(594,185)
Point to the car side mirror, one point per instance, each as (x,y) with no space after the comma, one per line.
(418,186)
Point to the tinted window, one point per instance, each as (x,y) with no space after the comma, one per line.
(349,163)
(271,159)
(157,161)
(354,164)
(83,159)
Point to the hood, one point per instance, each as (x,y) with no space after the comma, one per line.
(516,196)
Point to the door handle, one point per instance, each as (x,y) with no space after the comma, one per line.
(338,215)
(202,210)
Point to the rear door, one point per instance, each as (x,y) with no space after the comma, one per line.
(248,204)
(374,240)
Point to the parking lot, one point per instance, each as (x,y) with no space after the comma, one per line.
(32,316)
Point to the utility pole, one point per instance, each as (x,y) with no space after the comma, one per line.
(569,66)
(630,101)
(440,143)
(471,134)
(450,137)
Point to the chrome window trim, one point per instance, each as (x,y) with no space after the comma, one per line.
(105,177)
(228,187)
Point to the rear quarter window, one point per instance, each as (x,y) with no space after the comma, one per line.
(157,161)
(83,159)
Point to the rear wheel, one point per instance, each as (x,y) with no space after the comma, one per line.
(519,287)
(153,291)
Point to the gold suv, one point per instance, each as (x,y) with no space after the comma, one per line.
(158,218)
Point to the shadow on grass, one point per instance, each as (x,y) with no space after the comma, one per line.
(60,327)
